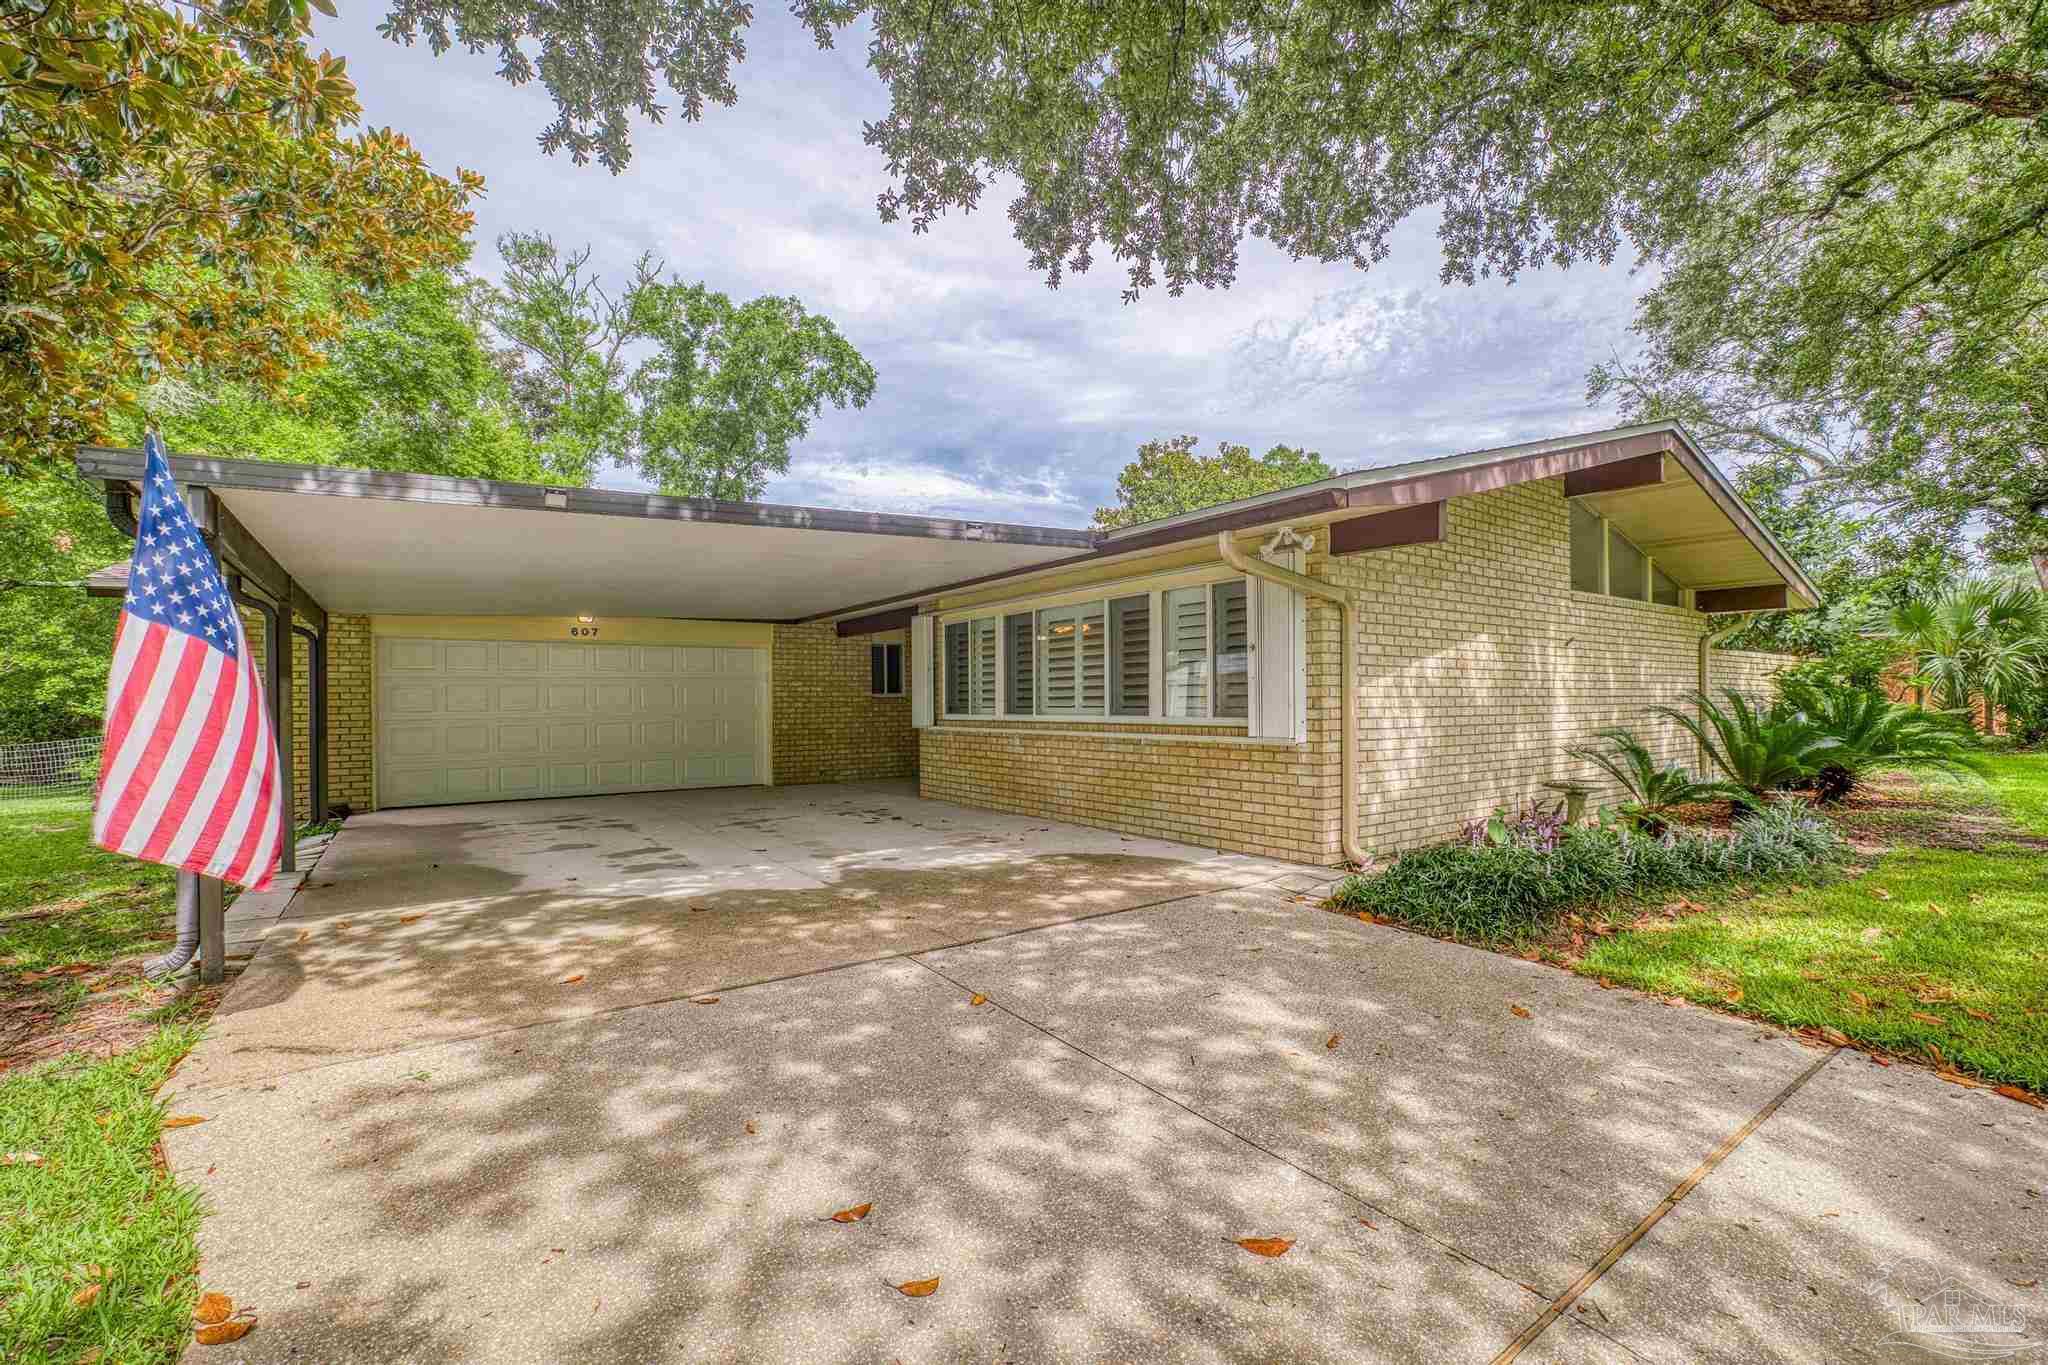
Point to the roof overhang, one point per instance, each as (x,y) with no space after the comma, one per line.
(1651,481)
(376,542)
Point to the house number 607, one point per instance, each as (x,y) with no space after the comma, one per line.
(583,630)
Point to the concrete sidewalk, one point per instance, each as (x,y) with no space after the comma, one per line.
(1075,1157)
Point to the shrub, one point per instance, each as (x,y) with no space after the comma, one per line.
(1761,748)
(1495,891)
(1873,732)
(1653,791)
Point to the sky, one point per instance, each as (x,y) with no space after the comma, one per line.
(997,398)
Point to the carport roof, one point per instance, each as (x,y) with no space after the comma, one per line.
(417,544)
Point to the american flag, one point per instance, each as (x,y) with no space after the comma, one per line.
(189,772)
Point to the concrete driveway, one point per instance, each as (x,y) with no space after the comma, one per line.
(465,1105)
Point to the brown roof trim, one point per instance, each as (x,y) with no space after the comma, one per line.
(1435,481)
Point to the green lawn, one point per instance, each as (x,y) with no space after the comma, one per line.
(1939,953)
(97,1249)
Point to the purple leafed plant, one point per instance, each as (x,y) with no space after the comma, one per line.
(1535,826)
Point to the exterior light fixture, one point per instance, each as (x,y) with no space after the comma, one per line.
(585,617)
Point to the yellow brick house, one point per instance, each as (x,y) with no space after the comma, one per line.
(1350,667)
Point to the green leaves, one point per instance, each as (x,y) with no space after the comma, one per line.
(711,410)
(167,170)
(1169,477)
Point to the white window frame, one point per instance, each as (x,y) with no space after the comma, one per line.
(1156,586)
(902,666)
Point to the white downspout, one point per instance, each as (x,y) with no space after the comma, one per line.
(1347,681)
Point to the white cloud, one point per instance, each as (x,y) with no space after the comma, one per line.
(997,397)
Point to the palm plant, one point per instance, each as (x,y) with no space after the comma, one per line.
(1980,637)
(1653,789)
(1760,748)
(1874,733)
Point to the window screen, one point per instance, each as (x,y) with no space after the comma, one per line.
(1626,569)
(1664,588)
(1585,550)
(1233,649)
(958,659)
(1022,664)
(1187,651)
(1130,656)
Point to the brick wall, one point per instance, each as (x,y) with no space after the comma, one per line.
(349,739)
(1749,671)
(1276,800)
(1476,665)
(827,727)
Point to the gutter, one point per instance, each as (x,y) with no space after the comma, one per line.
(1252,567)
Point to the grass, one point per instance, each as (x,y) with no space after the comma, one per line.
(98,1243)
(83,1200)
(1936,952)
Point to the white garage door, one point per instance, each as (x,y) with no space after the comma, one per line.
(501,720)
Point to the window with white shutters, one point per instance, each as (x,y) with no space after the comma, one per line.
(1187,652)
(1130,656)
(1181,650)
(1021,661)
(1233,643)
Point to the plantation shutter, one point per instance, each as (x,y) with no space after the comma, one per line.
(1231,614)
(1094,659)
(1022,663)
(1061,653)
(921,671)
(983,638)
(959,658)
(1187,652)
(1130,655)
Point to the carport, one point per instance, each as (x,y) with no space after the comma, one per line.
(632,652)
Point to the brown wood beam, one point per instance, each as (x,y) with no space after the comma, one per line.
(1420,524)
(898,619)
(1769,597)
(1243,519)
(1637,471)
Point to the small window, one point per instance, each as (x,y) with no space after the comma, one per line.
(885,670)
(1627,570)
(1664,588)
(1586,549)
(1022,664)
(1130,656)
(1187,652)
(1233,649)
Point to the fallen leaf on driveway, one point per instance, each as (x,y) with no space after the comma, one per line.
(705,1000)
(1369,1223)
(1518,1011)
(1957,1078)
(751,1129)
(1335,1039)
(344,924)
(1836,1037)
(410,919)
(2013,1092)
(572,980)
(978,1001)
(852,1215)
(918,1289)
(213,1308)
(2023,1284)
(221,1333)
(304,934)
(1266,1246)
(184,1120)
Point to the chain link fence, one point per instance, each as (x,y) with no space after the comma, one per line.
(51,767)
